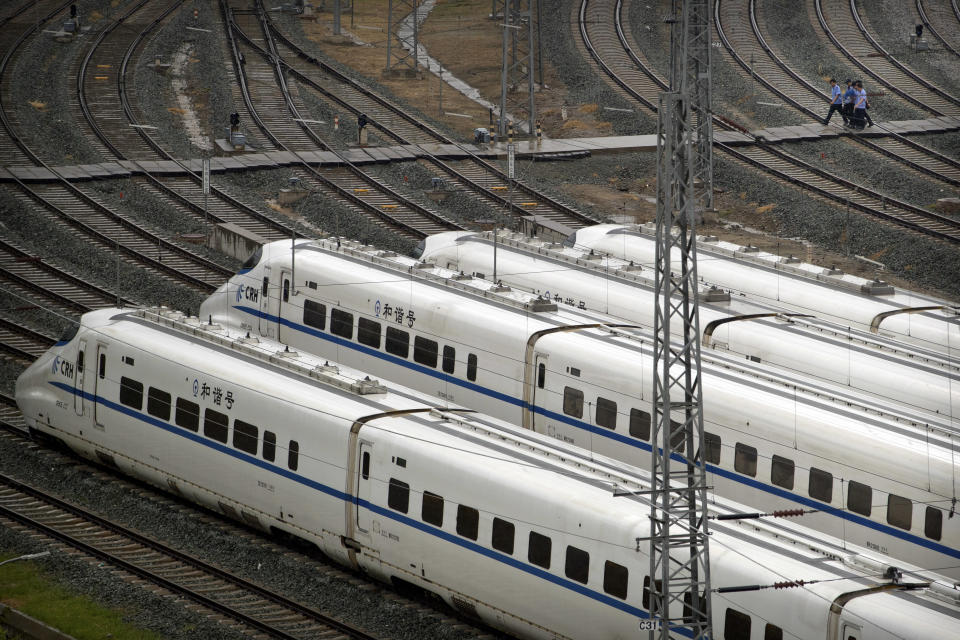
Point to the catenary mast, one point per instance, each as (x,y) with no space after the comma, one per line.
(679,556)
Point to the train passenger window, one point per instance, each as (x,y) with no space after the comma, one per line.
(314,314)
(425,351)
(368,332)
(269,446)
(573,402)
(502,537)
(215,425)
(933,523)
(639,424)
(646,591)
(615,579)
(859,498)
(293,455)
(538,550)
(745,459)
(606,413)
(449,359)
(188,415)
(541,375)
(471,367)
(772,632)
(102,372)
(578,565)
(736,626)
(899,511)
(131,392)
(341,323)
(398,342)
(432,509)
(398,495)
(821,484)
(158,403)
(711,447)
(245,436)
(468,521)
(781,472)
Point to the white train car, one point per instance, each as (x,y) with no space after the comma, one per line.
(528,535)
(762,333)
(884,481)
(867,305)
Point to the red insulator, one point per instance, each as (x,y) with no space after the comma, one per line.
(788,513)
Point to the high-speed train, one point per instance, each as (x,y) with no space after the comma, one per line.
(805,288)
(866,473)
(524,533)
(763,333)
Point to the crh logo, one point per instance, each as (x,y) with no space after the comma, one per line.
(64,367)
(249,293)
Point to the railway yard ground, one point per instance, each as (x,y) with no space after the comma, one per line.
(140,239)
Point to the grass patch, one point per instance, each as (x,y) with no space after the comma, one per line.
(24,586)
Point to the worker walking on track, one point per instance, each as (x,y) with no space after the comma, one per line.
(848,97)
(860,107)
(866,104)
(836,102)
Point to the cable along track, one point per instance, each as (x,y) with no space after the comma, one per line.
(762,156)
(217,590)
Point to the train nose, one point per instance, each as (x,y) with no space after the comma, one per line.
(31,390)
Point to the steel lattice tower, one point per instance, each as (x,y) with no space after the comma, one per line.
(402,57)
(518,61)
(679,556)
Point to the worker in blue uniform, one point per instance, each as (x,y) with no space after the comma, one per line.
(859,106)
(836,102)
(848,97)
(866,104)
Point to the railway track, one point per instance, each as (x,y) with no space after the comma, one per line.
(844,27)
(942,22)
(605,47)
(276,113)
(111,231)
(475,176)
(35,279)
(22,344)
(116,125)
(738,27)
(222,593)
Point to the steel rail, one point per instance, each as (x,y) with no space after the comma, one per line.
(166,550)
(953,238)
(440,137)
(796,104)
(926,21)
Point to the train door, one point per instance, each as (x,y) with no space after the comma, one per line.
(265,302)
(78,398)
(539,422)
(850,631)
(363,486)
(284,301)
(100,383)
